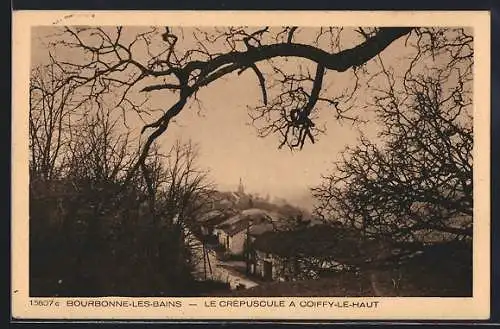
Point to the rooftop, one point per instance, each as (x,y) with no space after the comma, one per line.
(246,219)
(345,245)
(214,217)
(315,241)
(261,228)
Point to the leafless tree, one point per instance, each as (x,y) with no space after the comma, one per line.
(418,179)
(416,182)
(50,102)
(181,190)
(112,65)
(98,150)
(82,209)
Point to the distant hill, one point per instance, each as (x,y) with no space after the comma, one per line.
(302,200)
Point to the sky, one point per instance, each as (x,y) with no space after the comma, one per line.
(228,144)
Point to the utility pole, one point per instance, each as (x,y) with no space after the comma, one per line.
(247,248)
(204,261)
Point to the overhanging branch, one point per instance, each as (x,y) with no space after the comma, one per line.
(221,65)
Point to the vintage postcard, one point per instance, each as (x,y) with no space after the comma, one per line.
(251,165)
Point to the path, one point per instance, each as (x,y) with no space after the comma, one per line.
(211,267)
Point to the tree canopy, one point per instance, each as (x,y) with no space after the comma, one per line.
(416,181)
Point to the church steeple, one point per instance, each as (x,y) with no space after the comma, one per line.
(241,189)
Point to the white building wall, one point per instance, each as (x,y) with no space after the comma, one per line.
(222,237)
(237,243)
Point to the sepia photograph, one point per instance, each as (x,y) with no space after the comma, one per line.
(228,161)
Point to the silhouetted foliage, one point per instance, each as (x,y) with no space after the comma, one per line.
(109,213)
(182,61)
(93,233)
(415,182)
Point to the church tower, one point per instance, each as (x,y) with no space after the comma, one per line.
(241,189)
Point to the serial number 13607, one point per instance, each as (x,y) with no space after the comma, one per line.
(43,302)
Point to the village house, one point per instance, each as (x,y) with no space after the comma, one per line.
(309,252)
(209,220)
(320,251)
(441,269)
(234,232)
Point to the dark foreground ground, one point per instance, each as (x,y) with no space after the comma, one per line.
(438,273)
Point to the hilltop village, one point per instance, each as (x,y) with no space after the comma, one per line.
(230,232)
(255,247)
